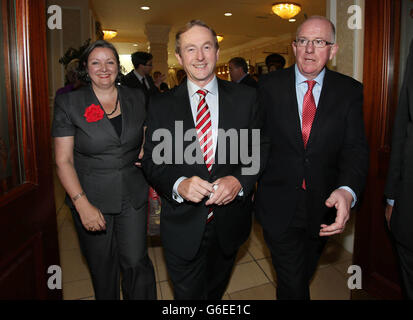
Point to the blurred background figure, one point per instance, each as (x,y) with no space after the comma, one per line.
(274,62)
(72,78)
(180,76)
(162,86)
(140,77)
(238,70)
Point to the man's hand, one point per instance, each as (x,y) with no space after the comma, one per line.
(195,189)
(341,200)
(387,213)
(228,189)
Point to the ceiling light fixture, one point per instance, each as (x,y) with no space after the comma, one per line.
(228,14)
(109,34)
(145,8)
(286,10)
(220,37)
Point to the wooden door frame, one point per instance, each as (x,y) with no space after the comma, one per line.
(373,249)
(31,237)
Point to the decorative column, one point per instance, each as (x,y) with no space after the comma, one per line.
(158,37)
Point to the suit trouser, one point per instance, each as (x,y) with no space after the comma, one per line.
(295,255)
(406,266)
(206,276)
(122,248)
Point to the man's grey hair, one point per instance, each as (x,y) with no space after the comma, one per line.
(333,28)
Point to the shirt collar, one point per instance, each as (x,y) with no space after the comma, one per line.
(138,75)
(242,78)
(211,87)
(299,78)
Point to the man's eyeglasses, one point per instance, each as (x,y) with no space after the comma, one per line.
(318,43)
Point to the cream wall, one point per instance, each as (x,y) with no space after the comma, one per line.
(349,61)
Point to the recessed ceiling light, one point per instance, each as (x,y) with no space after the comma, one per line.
(135,44)
(228,14)
(292,20)
(145,8)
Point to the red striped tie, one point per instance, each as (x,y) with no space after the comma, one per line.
(204,132)
(309,109)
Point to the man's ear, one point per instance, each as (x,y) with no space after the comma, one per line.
(178,57)
(333,51)
(294,45)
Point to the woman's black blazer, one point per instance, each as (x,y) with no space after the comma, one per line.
(104,162)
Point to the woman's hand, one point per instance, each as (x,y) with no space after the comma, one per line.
(140,157)
(91,217)
(138,163)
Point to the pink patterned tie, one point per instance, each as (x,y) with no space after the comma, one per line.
(309,109)
(204,132)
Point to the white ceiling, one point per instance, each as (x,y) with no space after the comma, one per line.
(250,20)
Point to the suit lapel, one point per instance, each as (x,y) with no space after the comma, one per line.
(125,104)
(224,106)
(292,115)
(104,124)
(183,107)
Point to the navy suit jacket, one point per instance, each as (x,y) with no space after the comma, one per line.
(336,154)
(183,224)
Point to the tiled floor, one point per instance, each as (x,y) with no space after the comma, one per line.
(253,277)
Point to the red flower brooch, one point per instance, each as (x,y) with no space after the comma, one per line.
(93,113)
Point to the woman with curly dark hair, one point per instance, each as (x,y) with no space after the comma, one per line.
(98,134)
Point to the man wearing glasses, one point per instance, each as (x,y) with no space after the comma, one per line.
(319,157)
(140,76)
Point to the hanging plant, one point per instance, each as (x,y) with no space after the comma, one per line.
(73,53)
(99,31)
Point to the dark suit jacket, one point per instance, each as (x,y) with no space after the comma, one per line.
(130,80)
(104,162)
(400,176)
(249,81)
(336,153)
(182,225)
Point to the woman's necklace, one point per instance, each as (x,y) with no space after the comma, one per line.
(116,105)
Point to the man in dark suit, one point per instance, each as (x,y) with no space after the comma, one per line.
(238,70)
(319,157)
(140,76)
(206,202)
(399,185)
